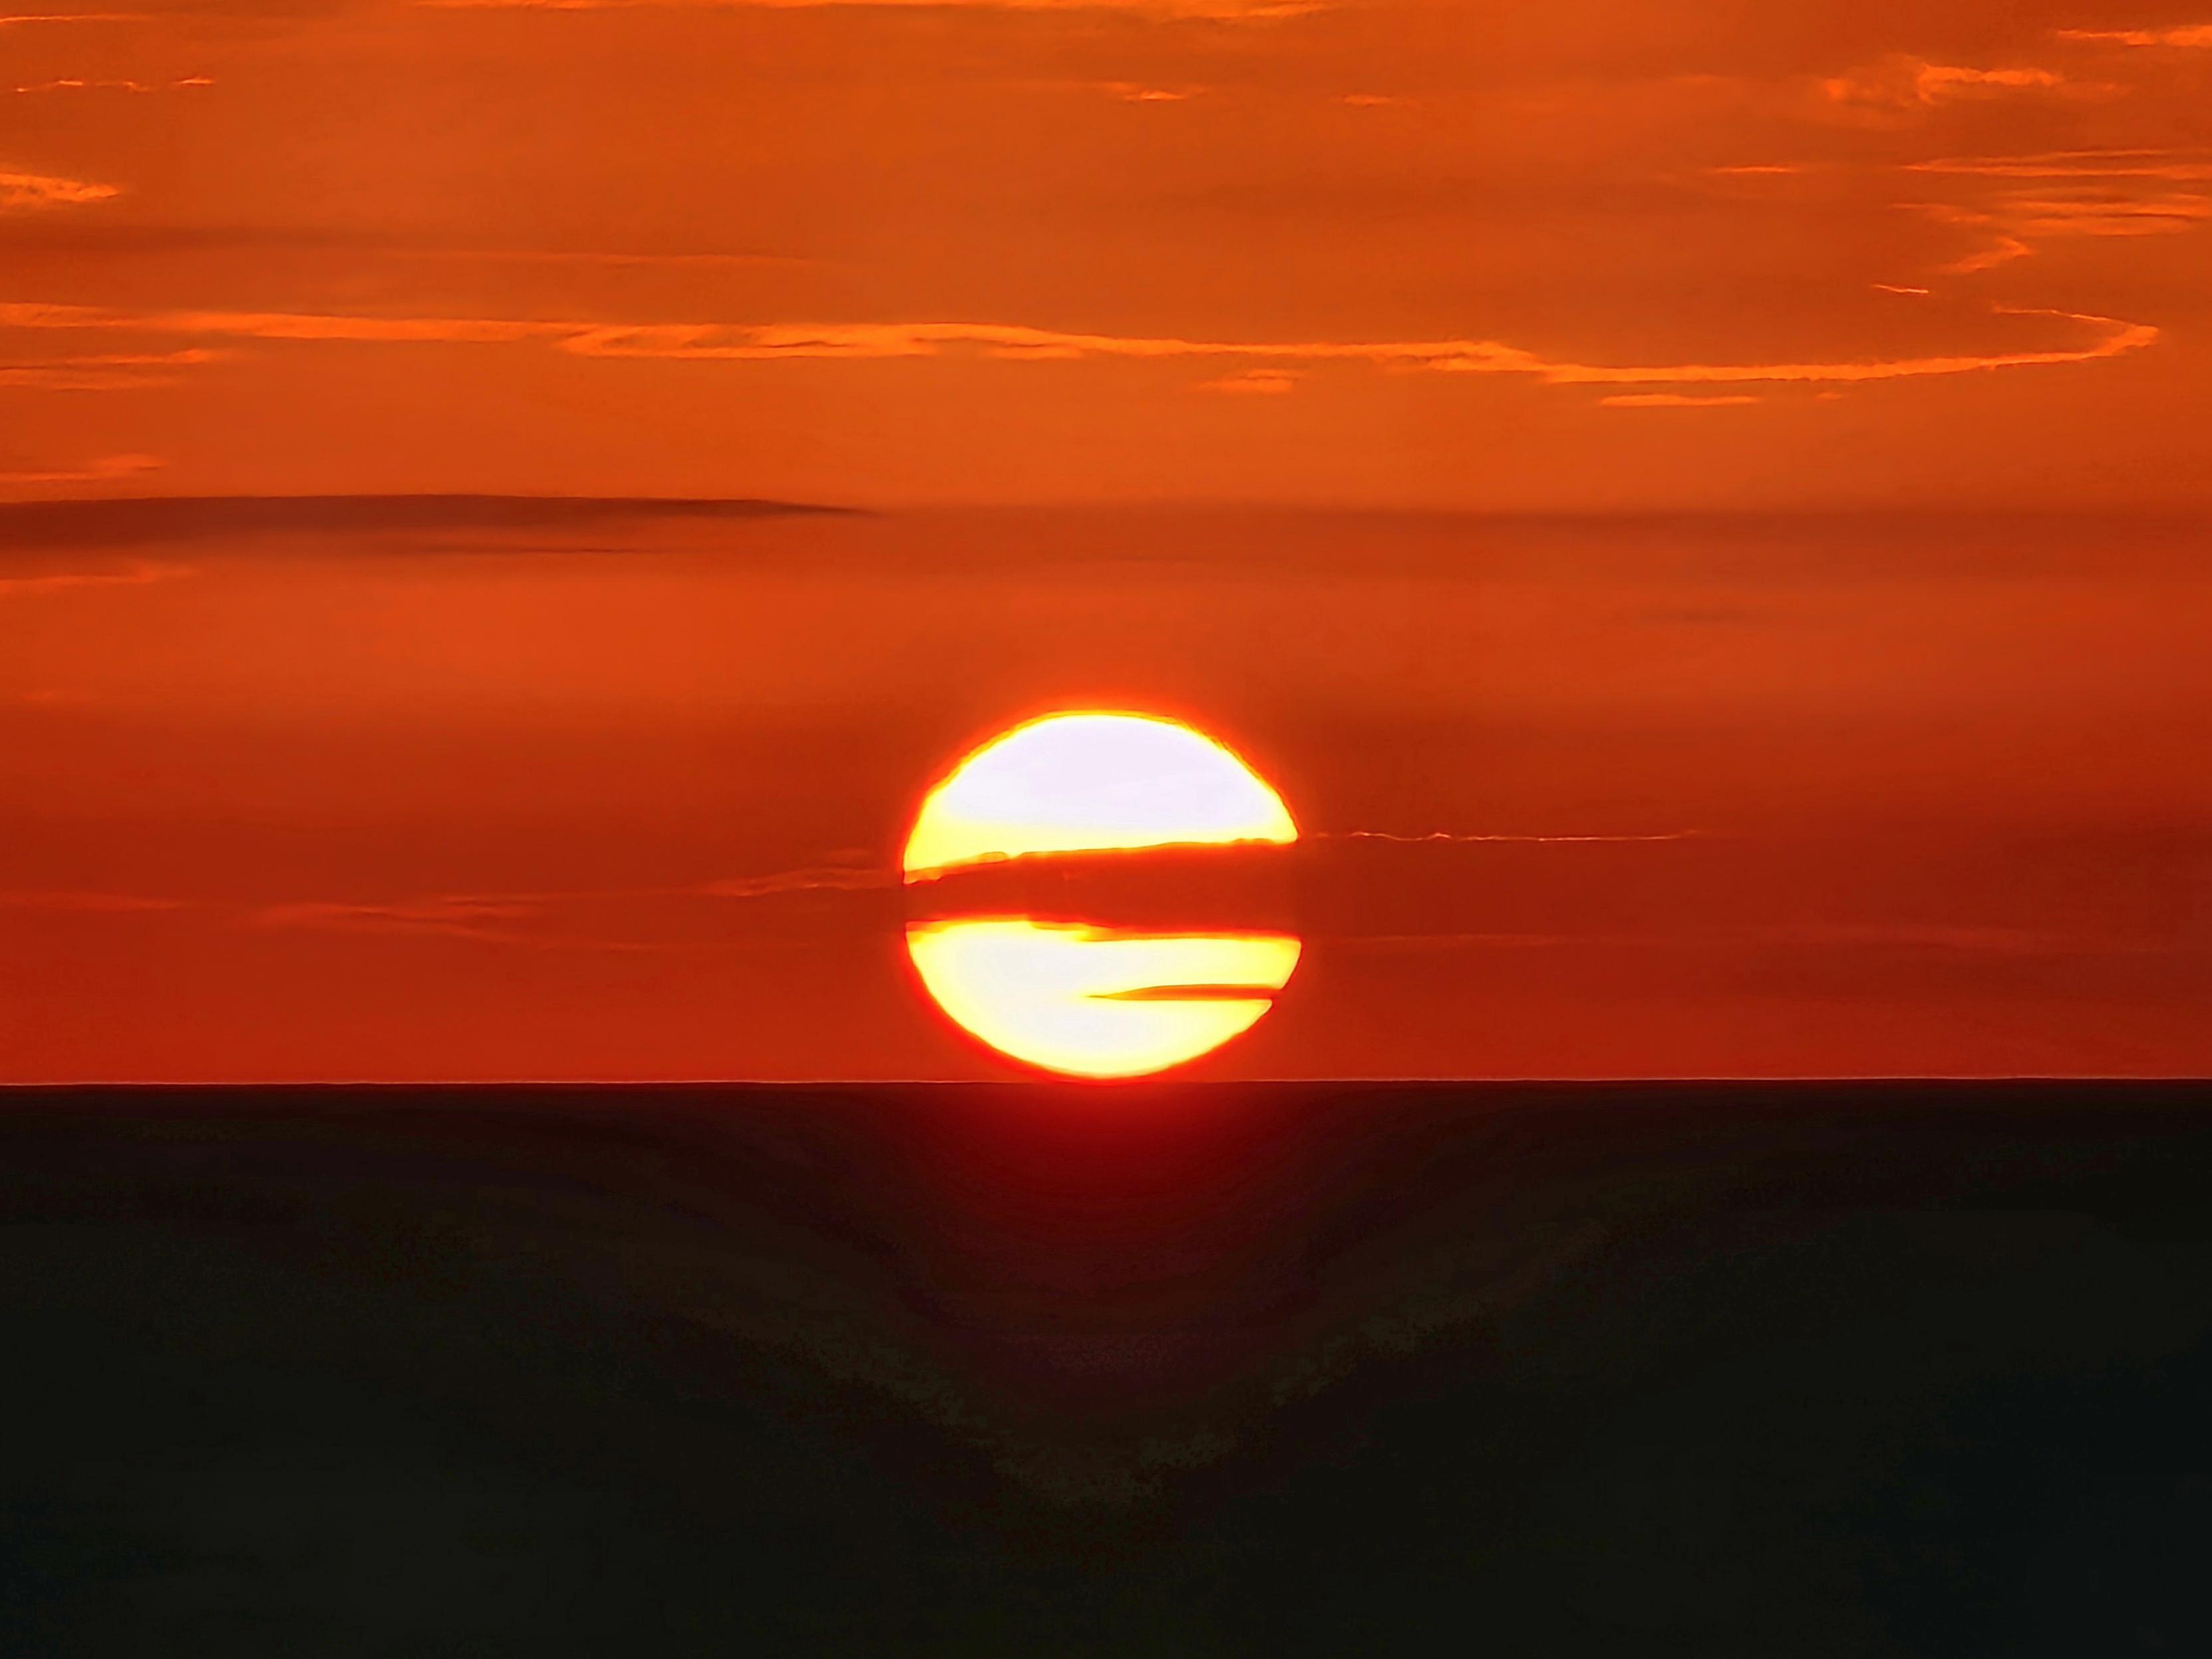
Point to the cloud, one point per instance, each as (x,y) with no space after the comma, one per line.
(1132,92)
(105,469)
(1914,83)
(1022,342)
(2018,223)
(1936,83)
(1208,10)
(1923,936)
(817,878)
(1935,937)
(287,325)
(139,573)
(103,372)
(2104,216)
(130,520)
(1673,400)
(490,918)
(527,919)
(72,84)
(30,192)
(1255,382)
(1468,838)
(21,19)
(2177,165)
(695,342)
(87,904)
(530,919)
(2077,194)
(2187,36)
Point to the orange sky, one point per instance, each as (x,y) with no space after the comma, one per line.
(1869,794)
(1702,511)
(1575,255)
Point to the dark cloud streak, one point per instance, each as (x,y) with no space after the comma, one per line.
(136,521)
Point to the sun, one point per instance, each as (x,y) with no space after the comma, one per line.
(1091,782)
(1081,999)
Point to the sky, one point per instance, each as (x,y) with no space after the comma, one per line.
(1701,513)
(1584,255)
(625,797)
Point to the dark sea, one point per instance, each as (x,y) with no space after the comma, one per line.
(1177,1369)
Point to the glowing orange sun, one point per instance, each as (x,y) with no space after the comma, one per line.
(1082,1000)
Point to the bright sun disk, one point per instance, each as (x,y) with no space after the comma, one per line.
(1080,1000)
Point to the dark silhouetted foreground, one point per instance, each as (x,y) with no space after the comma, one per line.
(1673,1370)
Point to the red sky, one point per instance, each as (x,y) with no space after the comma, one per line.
(1795,795)
(1740,468)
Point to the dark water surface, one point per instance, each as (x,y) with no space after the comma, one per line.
(1179,1369)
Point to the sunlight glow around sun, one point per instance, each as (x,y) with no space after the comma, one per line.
(1078,997)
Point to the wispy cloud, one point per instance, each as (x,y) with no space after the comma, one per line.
(101,372)
(464,253)
(1918,936)
(134,521)
(1134,92)
(491,918)
(546,920)
(288,326)
(1475,837)
(2188,36)
(74,84)
(2178,166)
(1254,383)
(531,921)
(1914,83)
(2074,193)
(2113,338)
(30,192)
(138,572)
(1210,10)
(1022,342)
(1884,937)
(2023,223)
(18,19)
(106,470)
(2105,215)
(1675,400)
(1936,83)
(815,878)
(2080,193)
(74,902)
